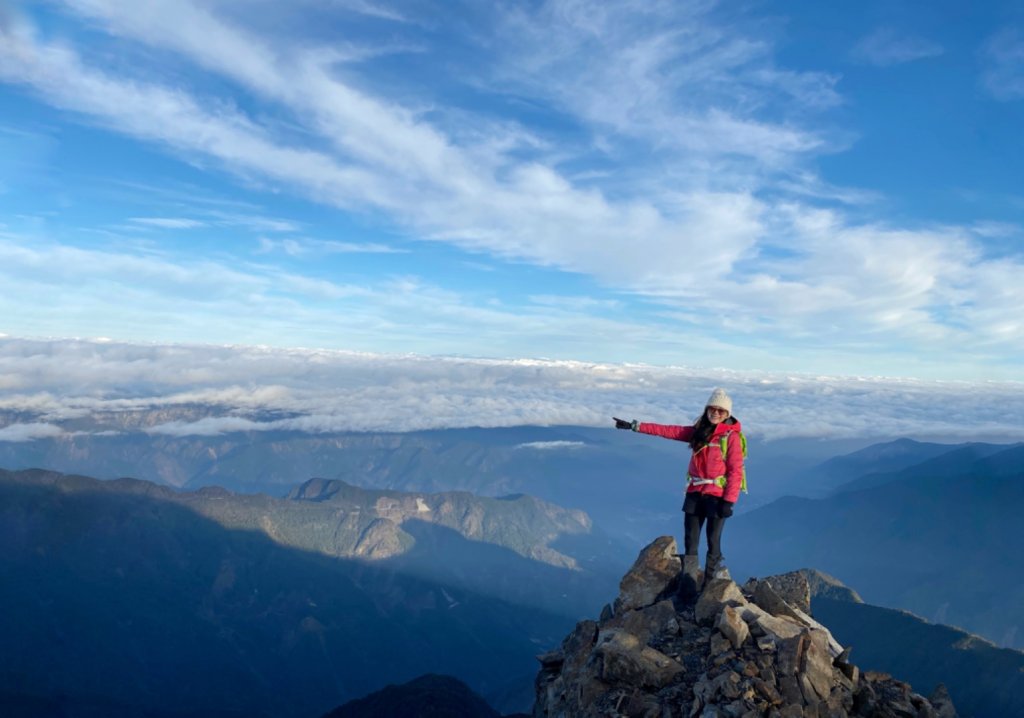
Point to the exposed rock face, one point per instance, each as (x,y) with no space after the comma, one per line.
(735,653)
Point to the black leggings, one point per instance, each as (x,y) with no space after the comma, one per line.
(701,509)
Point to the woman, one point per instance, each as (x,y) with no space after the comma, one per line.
(714,479)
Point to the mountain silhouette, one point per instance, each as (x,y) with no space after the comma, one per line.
(934,538)
(117,601)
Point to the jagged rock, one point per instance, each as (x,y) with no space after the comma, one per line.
(653,572)
(942,702)
(625,660)
(790,651)
(732,626)
(851,672)
(648,659)
(716,595)
(816,679)
(767,598)
(776,626)
(647,622)
(720,646)
(794,588)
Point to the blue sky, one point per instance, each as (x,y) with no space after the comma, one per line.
(793,187)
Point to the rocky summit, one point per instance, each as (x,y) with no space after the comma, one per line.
(735,652)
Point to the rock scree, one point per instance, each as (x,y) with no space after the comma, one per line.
(736,652)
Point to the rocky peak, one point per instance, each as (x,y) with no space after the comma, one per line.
(736,652)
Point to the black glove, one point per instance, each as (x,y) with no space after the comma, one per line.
(623,424)
(725,508)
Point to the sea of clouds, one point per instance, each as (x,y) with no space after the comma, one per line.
(52,387)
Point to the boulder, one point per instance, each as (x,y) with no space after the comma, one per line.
(647,622)
(774,625)
(624,660)
(717,595)
(816,668)
(794,588)
(732,626)
(767,598)
(654,571)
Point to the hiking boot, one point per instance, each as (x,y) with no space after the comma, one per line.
(714,568)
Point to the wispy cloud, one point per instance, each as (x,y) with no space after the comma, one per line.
(725,240)
(297,247)
(1003,65)
(885,47)
(384,157)
(551,445)
(206,390)
(168,222)
(29,432)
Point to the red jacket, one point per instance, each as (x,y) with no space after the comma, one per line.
(707,462)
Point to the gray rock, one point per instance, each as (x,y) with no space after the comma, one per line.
(780,628)
(768,691)
(767,601)
(835,649)
(624,660)
(653,571)
(790,653)
(793,588)
(647,622)
(716,595)
(648,660)
(789,688)
(851,672)
(767,598)
(732,626)
(816,666)
(942,703)
(719,644)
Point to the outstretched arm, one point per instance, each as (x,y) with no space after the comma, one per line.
(667,431)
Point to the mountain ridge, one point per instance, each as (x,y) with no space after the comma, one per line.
(101,584)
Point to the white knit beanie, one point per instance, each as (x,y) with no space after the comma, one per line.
(720,399)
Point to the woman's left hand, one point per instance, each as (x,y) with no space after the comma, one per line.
(725,508)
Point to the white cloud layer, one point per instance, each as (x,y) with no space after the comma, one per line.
(51,386)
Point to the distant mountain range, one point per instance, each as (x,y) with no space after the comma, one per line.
(881,463)
(117,596)
(983,680)
(319,588)
(630,485)
(936,537)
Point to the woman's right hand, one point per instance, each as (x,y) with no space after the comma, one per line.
(623,424)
